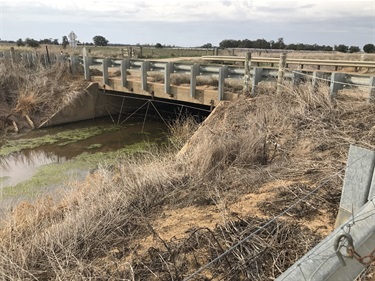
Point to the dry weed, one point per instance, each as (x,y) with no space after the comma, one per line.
(37,91)
(105,226)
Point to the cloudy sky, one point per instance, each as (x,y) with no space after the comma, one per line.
(191,22)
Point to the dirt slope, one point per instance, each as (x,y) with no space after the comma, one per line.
(163,215)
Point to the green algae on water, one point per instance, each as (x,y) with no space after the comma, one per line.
(61,139)
(3,179)
(56,174)
(95,145)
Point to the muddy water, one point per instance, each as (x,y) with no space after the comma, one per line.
(41,157)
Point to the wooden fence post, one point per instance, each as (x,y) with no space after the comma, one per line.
(12,55)
(247,76)
(280,76)
(30,59)
(74,63)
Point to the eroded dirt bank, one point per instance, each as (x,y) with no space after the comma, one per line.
(161,215)
(30,95)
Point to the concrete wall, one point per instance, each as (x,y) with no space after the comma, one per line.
(92,104)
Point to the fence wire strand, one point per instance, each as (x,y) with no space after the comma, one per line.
(274,219)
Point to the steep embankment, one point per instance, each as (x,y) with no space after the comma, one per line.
(30,95)
(158,216)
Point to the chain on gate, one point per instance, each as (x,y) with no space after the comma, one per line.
(350,250)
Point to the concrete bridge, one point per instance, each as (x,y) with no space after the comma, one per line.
(249,75)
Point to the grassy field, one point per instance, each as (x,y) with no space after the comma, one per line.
(152,52)
(117,51)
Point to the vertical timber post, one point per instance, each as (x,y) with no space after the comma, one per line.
(168,69)
(336,83)
(280,76)
(145,66)
(194,72)
(105,64)
(29,58)
(86,68)
(12,55)
(257,77)
(371,97)
(247,76)
(125,65)
(223,73)
(45,58)
(74,63)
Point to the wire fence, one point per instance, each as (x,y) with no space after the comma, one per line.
(346,228)
(330,80)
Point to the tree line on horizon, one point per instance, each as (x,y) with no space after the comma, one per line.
(279,44)
(98,40)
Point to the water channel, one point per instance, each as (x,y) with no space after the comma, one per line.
(40,159)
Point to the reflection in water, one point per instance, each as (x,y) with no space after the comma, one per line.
(21,166)
(18,167)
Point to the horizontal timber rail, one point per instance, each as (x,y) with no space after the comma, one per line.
(300,62)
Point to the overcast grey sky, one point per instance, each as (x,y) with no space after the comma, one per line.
(191,22)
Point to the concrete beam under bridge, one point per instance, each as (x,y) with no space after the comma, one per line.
(177,93)
(90,105)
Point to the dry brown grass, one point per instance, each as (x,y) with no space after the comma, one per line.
(247,153)
(37,91)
